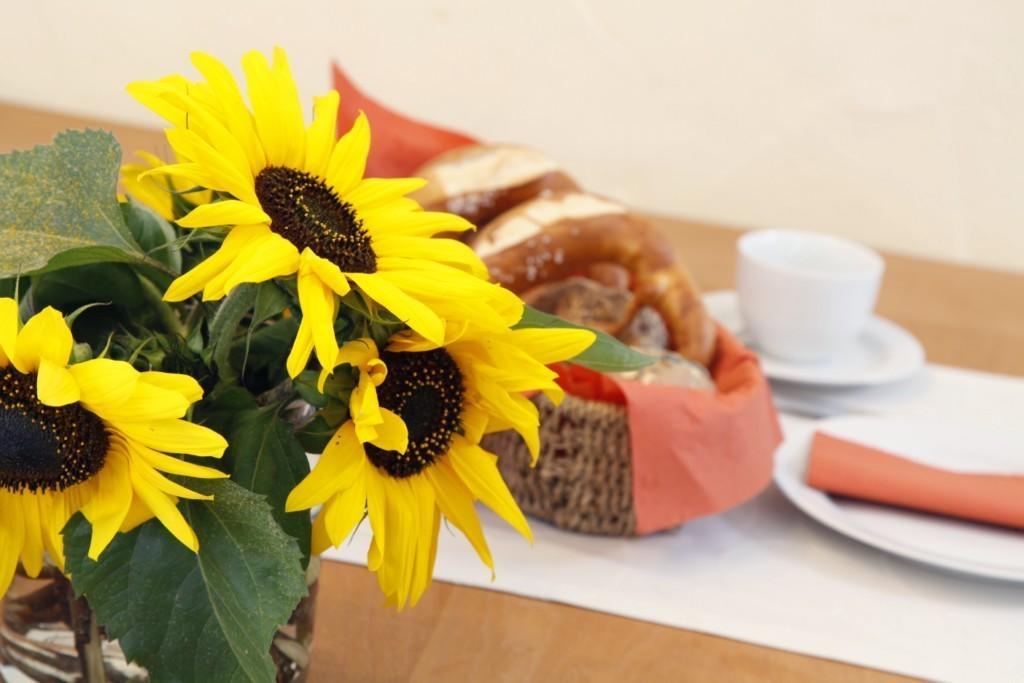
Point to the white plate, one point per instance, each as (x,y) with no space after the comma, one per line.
(883,353)
(979,549)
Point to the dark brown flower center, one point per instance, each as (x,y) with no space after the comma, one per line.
(425,389)
(308,213)
(43,448)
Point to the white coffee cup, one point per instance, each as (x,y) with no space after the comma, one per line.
(806,296)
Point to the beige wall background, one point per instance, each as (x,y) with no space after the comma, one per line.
(894,122)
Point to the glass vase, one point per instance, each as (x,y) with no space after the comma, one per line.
(50,636)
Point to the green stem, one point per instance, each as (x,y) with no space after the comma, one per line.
(88,641)
(168,316)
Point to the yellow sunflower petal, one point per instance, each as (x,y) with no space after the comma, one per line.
(262,259)
(429,525)
(171,465)
(55,385)
(448,251)
(474,422)
(225,212)
(399,219)
(341,514)
(519,411)
(320,540)
(329,273)
(318,304)
(146,403)
(12,534)
(551,346)
(161,483)
(176,436)
(348,159)
(165,509)
(224,173)
(456,503)
(188,173)
(376,509)
(187,386)
(199,277)
(479,472)
(435,281)
(150,94)
(374,555)
(107,509)
(32,545)
(8,329)
(365,409)
(395,572)
(138,514)
(320,137)
(45,335)
(211,143)
(154,192)
(429,530)
(55,515)
(371,192)
(413,313)
(302,348)
(392,432)
(357,352)
(104,382)
(276,109)
(236,115)
(342,462)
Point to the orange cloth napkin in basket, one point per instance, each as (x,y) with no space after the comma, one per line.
(858,471)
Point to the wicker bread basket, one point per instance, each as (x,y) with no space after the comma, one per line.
(589,478)
(584,478)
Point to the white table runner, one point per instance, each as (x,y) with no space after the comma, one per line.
(766,574)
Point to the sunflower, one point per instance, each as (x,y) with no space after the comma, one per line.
(295,201)
(87,437)
(428,408)
(159,193)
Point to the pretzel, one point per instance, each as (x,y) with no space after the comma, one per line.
(479,182)
(563,234)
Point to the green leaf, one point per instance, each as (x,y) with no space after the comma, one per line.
(270,300)
(264,456)
(263,352)
(58,206)
(154,235)
(224,327)
(315,436)
(209,616)
(606,354)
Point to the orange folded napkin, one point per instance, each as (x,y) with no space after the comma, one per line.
(858,471)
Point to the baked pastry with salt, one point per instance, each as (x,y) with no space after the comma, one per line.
(553,237)
(479,182)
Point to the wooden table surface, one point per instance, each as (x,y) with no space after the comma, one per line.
(964,316)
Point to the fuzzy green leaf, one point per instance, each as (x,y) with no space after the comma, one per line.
(606,354)
(231,311)
(58,206)
(264,455)
(154,234)
(209,616)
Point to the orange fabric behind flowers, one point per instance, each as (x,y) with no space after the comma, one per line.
(400,144)
(695,453)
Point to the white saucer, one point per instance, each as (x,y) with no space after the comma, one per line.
(883,353)
(953,544)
